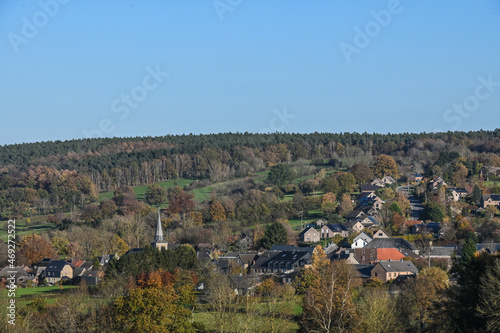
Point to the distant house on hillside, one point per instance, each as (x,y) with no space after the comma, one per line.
(382,182)
(58,270)
(389,270)
(369,188)
(489,170)
(437,181)
(416,177)
(309,235)
(490,200)
(458,193)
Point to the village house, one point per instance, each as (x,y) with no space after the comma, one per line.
(403,246)
(369,188)
(382,182)
(389,270)
(416,177)
(458,193)
(370,199)
(437,181)
(358,213)
(362,273)
(354,226)
(332,230)
(490,200)
(309,235)
(486,171)
(370,256)
(408,225)
(58,270)
(360,241)
(20,274)
(284,262)
(380,233)
(431,227)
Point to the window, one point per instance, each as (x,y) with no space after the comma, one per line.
(375,274)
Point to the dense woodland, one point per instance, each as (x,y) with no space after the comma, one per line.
(259,185)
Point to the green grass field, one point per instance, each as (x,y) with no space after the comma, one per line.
(26,295)
(22,229)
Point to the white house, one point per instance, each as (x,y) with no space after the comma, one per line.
(360,241)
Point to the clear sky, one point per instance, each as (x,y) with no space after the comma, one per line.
(74,69)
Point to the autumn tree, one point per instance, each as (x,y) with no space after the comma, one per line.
(328,305)
(345,205)
(420,298)
(362,172)
(378,311)
(217,211)
(91,214)
(346,181)
(151,309)
(180,202)
(33,248)
(222,301)
(385,165)
(459,173)
(328,203)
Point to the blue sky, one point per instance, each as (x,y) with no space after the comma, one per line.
(74,69)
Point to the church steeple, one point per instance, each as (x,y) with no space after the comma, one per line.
(158,241)
(159,231)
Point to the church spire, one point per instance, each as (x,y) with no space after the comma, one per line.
(159,231)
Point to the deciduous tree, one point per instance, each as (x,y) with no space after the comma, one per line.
(34,248)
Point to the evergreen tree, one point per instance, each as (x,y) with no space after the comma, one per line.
(275,234)
(476,194)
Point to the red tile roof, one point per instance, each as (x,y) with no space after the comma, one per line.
(389,254)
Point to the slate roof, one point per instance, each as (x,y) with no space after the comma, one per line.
(308,249)
(307,229)
(385,243)
(363,271)
(17,271)
(488,247)
(277,259)
(362,236)
(398,266)
(459,190)
(494,197)
(442,251)
(55,267)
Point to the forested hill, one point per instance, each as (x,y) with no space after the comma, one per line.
(87,155)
